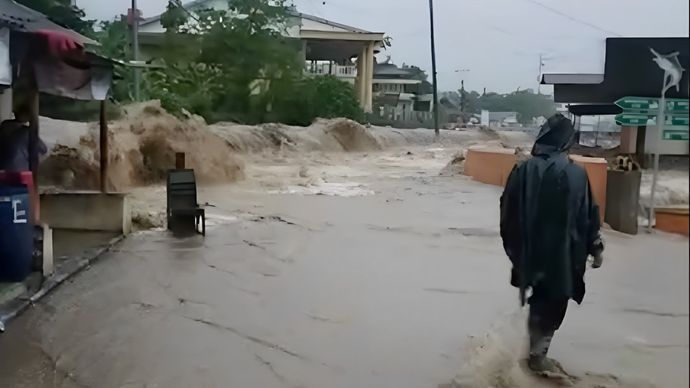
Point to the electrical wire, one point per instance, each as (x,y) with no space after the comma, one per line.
(178,3)
(571,18)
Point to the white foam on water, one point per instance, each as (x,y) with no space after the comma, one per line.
(335,189)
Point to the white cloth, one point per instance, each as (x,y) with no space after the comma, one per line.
(5,65)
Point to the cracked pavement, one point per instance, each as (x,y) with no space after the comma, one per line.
(387,290)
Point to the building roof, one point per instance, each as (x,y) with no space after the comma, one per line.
(392,71)
(571,79)
(200,3)
(330,23)
(21,18)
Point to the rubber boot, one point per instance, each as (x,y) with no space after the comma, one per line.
(538,349)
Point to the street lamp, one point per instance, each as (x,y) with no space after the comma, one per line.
(673,73)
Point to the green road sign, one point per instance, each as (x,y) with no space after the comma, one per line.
(677,120)
(630,119)
(637,119)
(674,134)
(651,105)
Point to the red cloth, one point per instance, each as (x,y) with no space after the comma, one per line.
(60,44)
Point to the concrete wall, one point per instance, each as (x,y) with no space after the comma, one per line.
(86,211)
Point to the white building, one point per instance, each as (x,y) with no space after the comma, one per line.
(396,92)
(327,47)
(503,119)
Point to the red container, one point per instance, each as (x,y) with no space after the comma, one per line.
(24,178)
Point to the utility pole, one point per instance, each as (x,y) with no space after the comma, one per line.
(541,64)
(462,98)
(433,66)
(135,50)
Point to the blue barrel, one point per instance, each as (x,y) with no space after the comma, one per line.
(16,234)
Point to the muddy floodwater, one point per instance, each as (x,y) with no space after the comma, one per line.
(377,272)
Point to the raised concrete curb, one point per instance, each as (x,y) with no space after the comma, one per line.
(61,274)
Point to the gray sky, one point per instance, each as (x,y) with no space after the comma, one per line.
(499,41)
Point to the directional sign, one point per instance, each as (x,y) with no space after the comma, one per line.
(637,119)
(680,120)
(644,105)
(676,134)
(629,119)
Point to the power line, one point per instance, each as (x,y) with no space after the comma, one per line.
(571,18)
(178,3)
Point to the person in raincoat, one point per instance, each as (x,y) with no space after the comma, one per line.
(549,226)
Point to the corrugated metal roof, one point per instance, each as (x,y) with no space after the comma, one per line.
(389,69)
(20,18)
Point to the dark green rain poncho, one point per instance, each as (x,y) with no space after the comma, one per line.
(549,220)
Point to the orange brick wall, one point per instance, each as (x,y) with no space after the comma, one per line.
(597,173)
(493,165)
(672,221)
(490,165)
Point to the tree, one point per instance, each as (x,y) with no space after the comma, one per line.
(300,102)
(527,104)
(113,39)
(237,65)
(63,13)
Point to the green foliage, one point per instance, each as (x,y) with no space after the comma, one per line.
(237,65)
(174,17)
(190,86)
(299,103)
(113,37)
(527,104)
(62,12)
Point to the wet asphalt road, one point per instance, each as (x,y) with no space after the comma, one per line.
(389,290)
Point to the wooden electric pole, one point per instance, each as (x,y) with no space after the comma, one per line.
(135,50)
(433,67)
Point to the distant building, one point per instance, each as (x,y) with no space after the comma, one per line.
(503,119)
(396,95)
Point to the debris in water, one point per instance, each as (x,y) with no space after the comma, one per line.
(456,166)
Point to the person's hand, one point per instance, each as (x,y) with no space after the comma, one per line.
(597,261)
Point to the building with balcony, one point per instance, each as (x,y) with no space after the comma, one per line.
(327,47)
(397,96)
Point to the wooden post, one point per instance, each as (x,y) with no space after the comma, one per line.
(33,101)
(179,160)
(103,138)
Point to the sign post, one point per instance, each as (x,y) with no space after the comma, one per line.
(673,73)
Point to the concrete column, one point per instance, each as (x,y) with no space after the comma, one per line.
(361,75)
(369,80)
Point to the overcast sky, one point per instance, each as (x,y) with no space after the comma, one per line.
(499,41)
